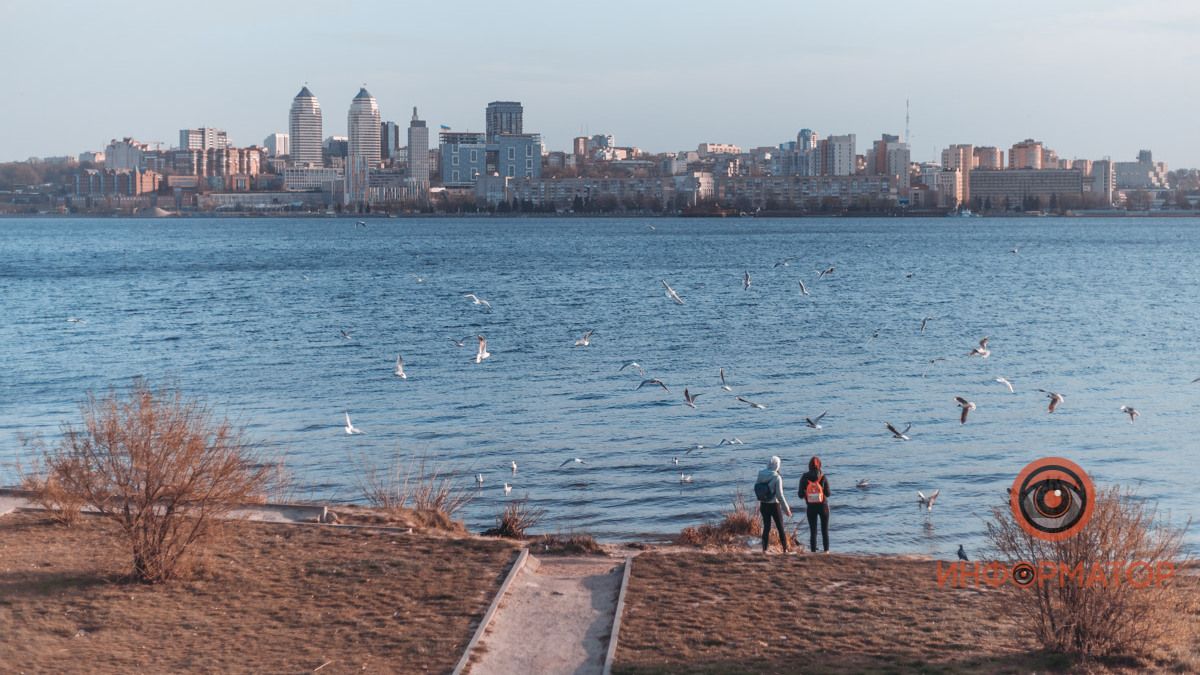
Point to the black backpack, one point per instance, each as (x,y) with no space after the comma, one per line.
(765,491)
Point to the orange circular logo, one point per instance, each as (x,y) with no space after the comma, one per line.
(1052,498)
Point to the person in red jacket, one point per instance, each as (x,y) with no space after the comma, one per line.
(814,490)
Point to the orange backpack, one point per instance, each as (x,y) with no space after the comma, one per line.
(813,492)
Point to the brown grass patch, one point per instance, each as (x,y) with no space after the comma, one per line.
(567,544)
(515,519)
(272,599)
(737,526)
(690,612)
(417,490)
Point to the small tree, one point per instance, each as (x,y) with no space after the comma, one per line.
(160,467)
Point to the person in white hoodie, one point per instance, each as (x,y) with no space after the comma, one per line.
(772,503)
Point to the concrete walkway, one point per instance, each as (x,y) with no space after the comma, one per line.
(556,618)
(11,500)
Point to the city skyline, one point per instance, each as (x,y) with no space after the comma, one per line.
(1090,79)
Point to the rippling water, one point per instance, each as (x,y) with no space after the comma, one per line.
(247,314)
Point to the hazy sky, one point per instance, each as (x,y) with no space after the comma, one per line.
(1090,78)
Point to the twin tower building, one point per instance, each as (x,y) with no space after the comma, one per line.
(364,148)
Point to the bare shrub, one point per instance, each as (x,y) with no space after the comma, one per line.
(46,490)
(416,485)
(1094,620)
(568,544)
(516,518)
(731,531)
(162,468)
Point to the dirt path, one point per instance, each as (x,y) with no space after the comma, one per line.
(556,618)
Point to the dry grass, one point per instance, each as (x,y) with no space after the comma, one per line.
(274,599)
(1101,619)
(45,490)
(414,485)
(567,544)
(737,526)
(516,518)
(689,612)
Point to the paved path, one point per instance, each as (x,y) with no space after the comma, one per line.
(556,618)
(11,500)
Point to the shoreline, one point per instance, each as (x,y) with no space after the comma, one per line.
(203,215)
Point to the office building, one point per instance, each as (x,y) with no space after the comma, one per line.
(504,117)
(961,157)
(1028,154)
(836,156)
(889,156)
(515,155)
(1026,189)
(418,157)
(305,130)
(362,150)
(203,138)
(463,157)
(278,145)
(125,154)
(988,158)
(1144,174)
(389,141)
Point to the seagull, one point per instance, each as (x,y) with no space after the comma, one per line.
(350,428)
(635,365)
(651,227)
(460,343)
(690,399)
(419,278)
(652,381)
(863,484)
(1006,383)
(803,288)
(570,461)
(927,502)
(825,272)
(724,386)
(479,479)
(1196,380)
(75,319)
(685,477)
(925,321)
(346,335)
(514,467)
(909,275)
(585,340)
(746,281)
(400,368)
(675,461)
(671,293)
(730,441)
(815,423)
(693,449)
(483,352)
(1131,412)
(507,489)
(982,350)
(782,263)
(360,223)
(931,362)
(1055,399)
(475,299)
(1015,250)
(966,406)
(896,433)
(752,404)
(962,554)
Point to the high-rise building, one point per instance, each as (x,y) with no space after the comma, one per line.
(988,158)
(125,154)
(389,140)
(203,138)
(278,145)
(836,156)
(463,158)
(1028,154)
(961,156)
(418,157)
(304,130)
(504,117)
(579,147)
(890,157)
(362,152)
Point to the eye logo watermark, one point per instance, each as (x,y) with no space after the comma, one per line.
(1052,498)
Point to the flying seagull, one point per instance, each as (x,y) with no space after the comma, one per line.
(685,477)
(460,343)
(400,368)
(585,340)
(782,263)
(925,321)
(476,300)
(962,554)
(360,223)
(1196,380)
(483,352)
(927,502)
(1056,399)
(635,365)
(803,288)
(693,449)
(571,461)
(746,281)
(1006,383)
(419,278)
(825,272)
(896,433)
(730,441)
(982,350)
(671,293)
(752,404)
(931,362)
(653,381)
(724,386)
(966,406)
(346,335)
(863,484)
(75,319)
(350,428)
(690,399)
(815,423)
(1128,410)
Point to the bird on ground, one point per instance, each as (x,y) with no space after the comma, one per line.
(514,467)
(925,321)
(803,288)
(685,477)
(75,319)
(1005,382)
(724,386)
(483,352)
(1056,399)
(825,272)
(671,293)
(460,343)
(507,489)
(982,350)
(585,340)
(652,382)
(815,423)
(863,484)
(635,365)
(927,502)
(966,406)
(400,368)
(752,404)
(690,399)
(931,362)
(1128,410)
(346,335)
(896,433)
(962,554)
(350,428)
(571,461)
(476,300)
(746,281)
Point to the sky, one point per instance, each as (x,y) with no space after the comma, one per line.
(1091,78)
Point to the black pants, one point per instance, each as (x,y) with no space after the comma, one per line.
(818,511)
(772,511)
